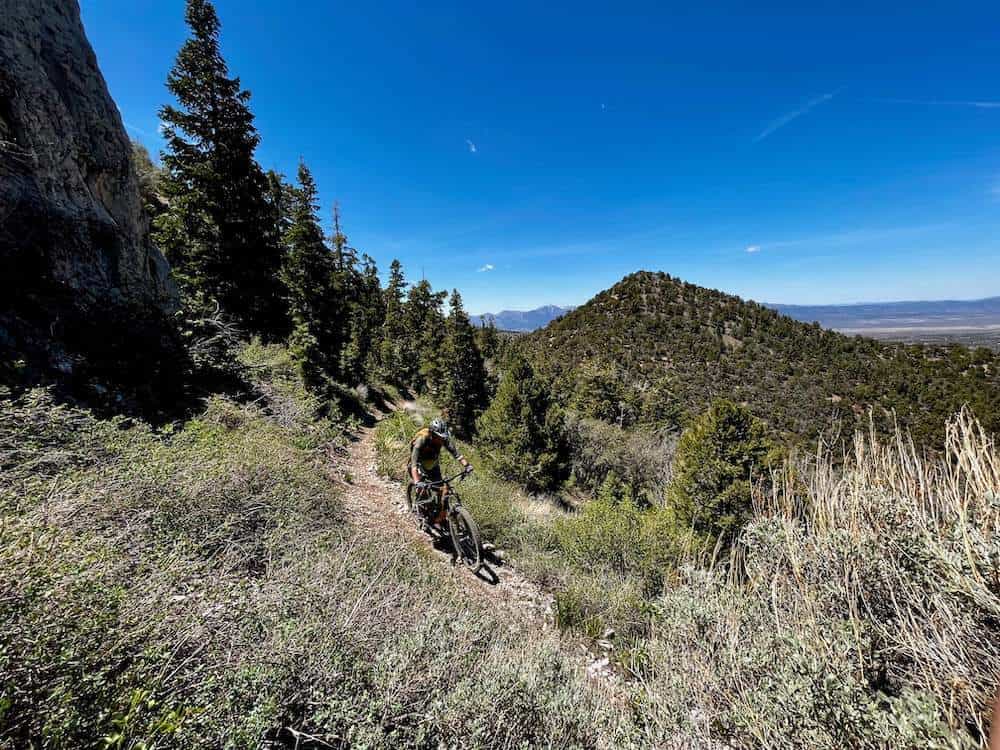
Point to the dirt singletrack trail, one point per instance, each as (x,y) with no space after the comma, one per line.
(378,503)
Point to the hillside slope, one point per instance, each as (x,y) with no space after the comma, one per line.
(235,582)
(655,343)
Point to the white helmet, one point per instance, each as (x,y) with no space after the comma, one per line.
(440,428)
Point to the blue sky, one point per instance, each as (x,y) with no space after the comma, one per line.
(533,153)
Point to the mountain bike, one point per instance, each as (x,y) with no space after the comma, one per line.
(424,498)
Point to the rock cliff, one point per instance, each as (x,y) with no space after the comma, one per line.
(80,281)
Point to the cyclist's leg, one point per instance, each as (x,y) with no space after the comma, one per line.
(434,475)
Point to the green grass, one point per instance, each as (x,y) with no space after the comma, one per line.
(201,587)
(858,608)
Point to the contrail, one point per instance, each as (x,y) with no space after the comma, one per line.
(787,118)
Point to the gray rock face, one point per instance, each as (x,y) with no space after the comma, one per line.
(74,242)
(67,188)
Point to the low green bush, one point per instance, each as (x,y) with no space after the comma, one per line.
(200,587)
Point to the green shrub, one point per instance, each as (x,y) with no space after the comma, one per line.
(716,458)
(200,587)
(520,434)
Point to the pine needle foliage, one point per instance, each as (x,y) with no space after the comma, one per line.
(217,231)
(464,394)
(520,434)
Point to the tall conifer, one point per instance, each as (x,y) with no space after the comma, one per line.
(218,230)
(393,338)
(463,395)
(315,303)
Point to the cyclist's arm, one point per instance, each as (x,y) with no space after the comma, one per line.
(415,460)
(453,450)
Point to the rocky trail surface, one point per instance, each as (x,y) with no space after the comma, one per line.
(379,503)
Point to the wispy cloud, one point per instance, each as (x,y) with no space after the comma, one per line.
(484,269)
(853,237)
(471,146)
(977,104)
(795,114)
(134,129)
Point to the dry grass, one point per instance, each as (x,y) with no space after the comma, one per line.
(862,608)
(200,587)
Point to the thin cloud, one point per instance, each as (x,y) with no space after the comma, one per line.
(484,269)
(977,104)
(853,237)
(787,118)
(134,129)
(471,146)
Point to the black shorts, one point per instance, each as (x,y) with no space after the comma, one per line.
(431,475)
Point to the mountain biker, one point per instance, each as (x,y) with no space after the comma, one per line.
(425,457)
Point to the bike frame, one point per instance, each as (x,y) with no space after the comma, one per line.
(447,497)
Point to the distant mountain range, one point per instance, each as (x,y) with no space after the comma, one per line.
(888,317)
(879,319)
(523,320)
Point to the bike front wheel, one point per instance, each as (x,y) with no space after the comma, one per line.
(465,538)
(414,498)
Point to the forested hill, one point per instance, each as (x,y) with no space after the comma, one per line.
(655,348)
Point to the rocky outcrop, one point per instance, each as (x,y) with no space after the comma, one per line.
(79,278)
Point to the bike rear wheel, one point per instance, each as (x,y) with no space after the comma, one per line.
(465,538)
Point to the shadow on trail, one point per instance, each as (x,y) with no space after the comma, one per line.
(441,542)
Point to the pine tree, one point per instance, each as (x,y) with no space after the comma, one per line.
(521,433)
(463,395)
(280,197)
(373,313)
(218,231)
(315,302)
(366,315)
(715,460)
(358,280)
(392,341)
(488,339)
(424,337)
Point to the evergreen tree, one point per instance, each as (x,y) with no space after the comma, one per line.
(424,337)
(392,341)
(488,340)
(280,198)
(463,394)
(218,231)
(716,457)
(521,433)
(366,315)
(149,176)
(362,293)
(315,304)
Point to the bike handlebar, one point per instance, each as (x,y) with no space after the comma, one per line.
(460,476)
